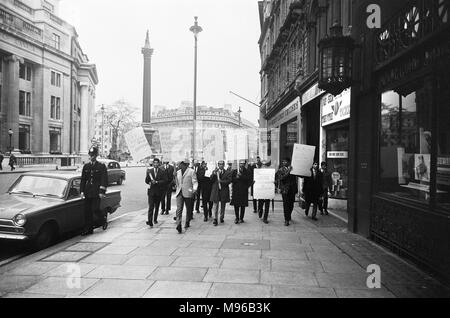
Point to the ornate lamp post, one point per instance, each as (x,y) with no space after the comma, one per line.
(336,61)
(10,133)
(196,29)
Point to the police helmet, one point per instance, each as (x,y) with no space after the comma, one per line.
(93,151)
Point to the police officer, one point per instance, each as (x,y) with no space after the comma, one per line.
(94,180)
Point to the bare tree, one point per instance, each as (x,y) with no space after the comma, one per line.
(121,117)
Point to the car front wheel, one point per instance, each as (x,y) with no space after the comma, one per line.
(45,237)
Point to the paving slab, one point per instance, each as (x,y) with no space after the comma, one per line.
(246,244)
(200,261)
(177,289)
(134,243)
(195,251)
(67,269)
(228,252)
(343,267)
(105,259)
(188,274)
(206,244)
(288,278)
(66,257)
(288,291)
(86,247)
(300,255)
(342,280)
(121,272)
(118,288)
(246,263)
(60,286)
(154,250)
(170,243)
(151,260)
(34,269)
(116,250)
(16,284)
(226,290)
(232,276)
(286,265)
(364,293)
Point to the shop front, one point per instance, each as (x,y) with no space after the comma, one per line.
(400,136)
(335,114)
(283,132)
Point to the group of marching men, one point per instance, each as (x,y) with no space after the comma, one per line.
(193,183)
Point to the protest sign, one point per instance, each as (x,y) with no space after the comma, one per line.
(264,187)
(137,144)
(302,160)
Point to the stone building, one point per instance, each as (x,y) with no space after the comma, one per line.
(47,84)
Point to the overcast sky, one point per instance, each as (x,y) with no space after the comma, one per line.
(112,33)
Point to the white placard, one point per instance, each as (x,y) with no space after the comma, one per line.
(264,187)
(302,160)
(137,144)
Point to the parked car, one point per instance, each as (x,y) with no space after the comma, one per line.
(40,207)
(115,173)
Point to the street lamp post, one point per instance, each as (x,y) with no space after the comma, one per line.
(103,136)
(10,132)
(239,113)
(196,29)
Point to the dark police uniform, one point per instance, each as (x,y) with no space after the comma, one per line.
(94,180)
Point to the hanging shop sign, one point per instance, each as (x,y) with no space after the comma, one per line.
(335,108)
(289,112)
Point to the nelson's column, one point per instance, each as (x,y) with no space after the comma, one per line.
(150,134)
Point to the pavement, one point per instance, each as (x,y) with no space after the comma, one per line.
(250,260)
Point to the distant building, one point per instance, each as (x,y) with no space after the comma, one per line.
(220,118)
(47,85)
(102,134)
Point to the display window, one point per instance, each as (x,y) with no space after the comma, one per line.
(337,161)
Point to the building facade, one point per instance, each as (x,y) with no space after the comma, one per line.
(400,130)
(47,85)
(293,108)
(102,134)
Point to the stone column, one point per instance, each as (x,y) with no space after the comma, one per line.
(11,85)
(84,120)
(147,52)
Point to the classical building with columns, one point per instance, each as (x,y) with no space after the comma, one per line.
(47,85)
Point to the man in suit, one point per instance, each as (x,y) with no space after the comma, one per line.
(197,196)
(252,167)
(156,178)
(187,185)
(205,187)
(167,193)
(288,188)
(220,190)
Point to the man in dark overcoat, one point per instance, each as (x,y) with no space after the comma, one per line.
(240,180)
(220,191)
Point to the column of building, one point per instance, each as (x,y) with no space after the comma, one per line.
(11,85)
(84,130)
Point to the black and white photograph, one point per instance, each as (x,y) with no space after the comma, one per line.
(132,134)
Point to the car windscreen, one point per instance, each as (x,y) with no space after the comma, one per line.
(41,186)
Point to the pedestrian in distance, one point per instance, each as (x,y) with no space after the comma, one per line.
(156,178)
(313,189)
(264,204)
(94,180)
(187,185)
(220,191)
(205,187)
(1,160)
(240,179)
(167,193)
(288,188)
(327,184)
(12,161)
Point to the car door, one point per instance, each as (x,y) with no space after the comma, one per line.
(112,173)
(74,207)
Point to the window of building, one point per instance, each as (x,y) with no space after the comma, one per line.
(28,72)
(24,138)
(28,104)
(56,41)
(58,108)
(55,79)
(55,140)
(405,144)
(53,107)
(21,103)
(25,71)
(22,71)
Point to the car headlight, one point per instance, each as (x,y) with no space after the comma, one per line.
(20,220)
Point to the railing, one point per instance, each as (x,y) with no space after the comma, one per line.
(411,25)
(23,161)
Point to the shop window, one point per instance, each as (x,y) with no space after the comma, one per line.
(337,161)
(405,144)
(24,138)
(55,140)
(443,145)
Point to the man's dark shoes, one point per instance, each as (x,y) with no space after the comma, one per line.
(221,220)
(205,219)
(156,222)
(306,212)
(260,215)
(186,225)
(315,219)
(179,229)
(326,212)
(265,221)
(236,221)
(242,221)
(255,211)
(149,223)
(286,223)
(215,222)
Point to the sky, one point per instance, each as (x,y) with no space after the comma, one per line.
(112,33)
